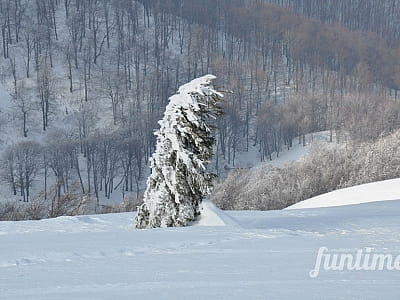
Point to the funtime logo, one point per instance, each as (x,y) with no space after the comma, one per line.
(361,260)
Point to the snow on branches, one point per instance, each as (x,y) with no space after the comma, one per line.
(179,180)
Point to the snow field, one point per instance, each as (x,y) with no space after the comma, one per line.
(256,255)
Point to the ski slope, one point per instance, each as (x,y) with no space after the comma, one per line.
(243,255)
(365,193)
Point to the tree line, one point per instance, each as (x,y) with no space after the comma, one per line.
(105,163)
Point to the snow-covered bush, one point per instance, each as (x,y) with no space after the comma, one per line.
(50,205)
(179,179)
(130,203)
(323,170)
(11,211)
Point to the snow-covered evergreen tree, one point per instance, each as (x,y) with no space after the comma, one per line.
(179,179)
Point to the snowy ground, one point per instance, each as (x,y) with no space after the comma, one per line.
(256,255)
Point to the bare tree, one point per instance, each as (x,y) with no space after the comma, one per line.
(24,104)
(45,86)
(26,156)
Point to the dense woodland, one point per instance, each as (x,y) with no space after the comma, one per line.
(89,79)
(360,15)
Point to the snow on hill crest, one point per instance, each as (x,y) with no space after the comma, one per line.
(371,192)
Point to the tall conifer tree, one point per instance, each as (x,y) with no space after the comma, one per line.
(179,180)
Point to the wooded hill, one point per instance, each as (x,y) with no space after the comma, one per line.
(304,42)
(88,81)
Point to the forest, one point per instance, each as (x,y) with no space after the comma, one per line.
(85,82)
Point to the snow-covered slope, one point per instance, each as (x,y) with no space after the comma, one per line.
(252,158)
(371,192)
(256,255)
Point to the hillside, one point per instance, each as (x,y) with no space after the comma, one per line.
(324,167)
(256,255)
